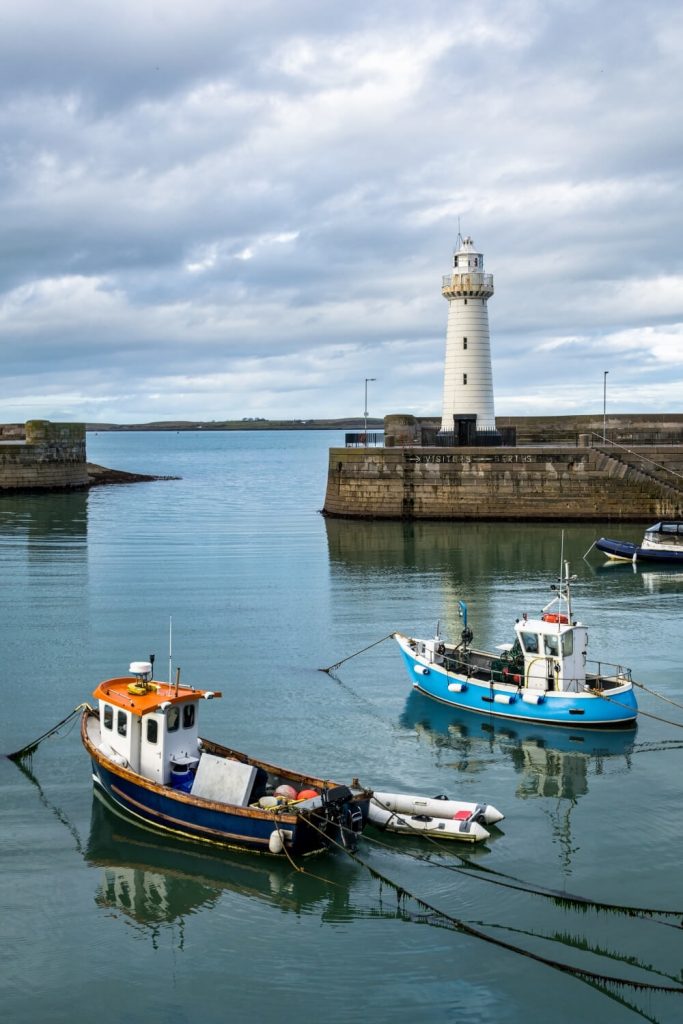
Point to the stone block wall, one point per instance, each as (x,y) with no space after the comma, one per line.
(550,483)
(50,456)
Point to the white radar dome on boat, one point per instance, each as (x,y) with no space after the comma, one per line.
(140,668)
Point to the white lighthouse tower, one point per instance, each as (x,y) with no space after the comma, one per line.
(468,381)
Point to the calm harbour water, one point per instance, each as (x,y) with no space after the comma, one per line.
(263,591)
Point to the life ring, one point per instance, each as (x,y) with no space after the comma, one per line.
(553,617)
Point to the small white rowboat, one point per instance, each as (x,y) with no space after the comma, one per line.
(436,817)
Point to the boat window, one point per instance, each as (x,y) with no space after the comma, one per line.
(530,641)
(121,723)
(152,730)
(567,643)
(669,528)
(172,718)
(188,716)
(551,644)
(108,718)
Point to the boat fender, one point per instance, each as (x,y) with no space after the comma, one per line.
(457,687)
(421,670)
(277,839)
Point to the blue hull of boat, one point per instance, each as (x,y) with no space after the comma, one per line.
(172,814)
(582,710)
(628,551)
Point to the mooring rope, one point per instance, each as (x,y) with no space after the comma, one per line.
(511,882)
(31,748)
(647,714)
(565,939)
(331,668)
(583,973)
(655,693)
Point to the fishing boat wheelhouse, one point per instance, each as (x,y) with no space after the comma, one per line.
(149,760)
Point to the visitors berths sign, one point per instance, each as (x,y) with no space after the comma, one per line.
(425,458)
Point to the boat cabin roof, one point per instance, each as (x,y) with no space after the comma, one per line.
(547,624)
(127,692)
(670,526)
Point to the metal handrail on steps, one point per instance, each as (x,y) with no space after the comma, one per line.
(643,458)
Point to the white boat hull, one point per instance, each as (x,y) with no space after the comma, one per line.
(438,807)
(437,818)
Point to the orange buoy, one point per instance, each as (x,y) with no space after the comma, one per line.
(306,794)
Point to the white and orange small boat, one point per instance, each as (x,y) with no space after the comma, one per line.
(150,762)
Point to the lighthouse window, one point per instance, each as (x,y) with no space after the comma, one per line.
(464,378)
(152,730)
(188,716)
(464,342)
(476,261)
(173,718)
(108,719)
(121,723)
(465,301)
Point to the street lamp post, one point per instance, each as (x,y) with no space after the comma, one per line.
(365,414)
(604,404)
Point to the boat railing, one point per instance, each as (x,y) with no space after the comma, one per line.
(606,670)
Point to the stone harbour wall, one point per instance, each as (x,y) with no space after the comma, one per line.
(49,456)
(534,483)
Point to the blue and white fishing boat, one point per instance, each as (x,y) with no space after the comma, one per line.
(543,676)
(662,542)
(149,760)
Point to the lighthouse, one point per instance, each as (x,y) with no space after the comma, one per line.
(468,381)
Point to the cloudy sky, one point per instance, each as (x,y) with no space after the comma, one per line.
(213,209)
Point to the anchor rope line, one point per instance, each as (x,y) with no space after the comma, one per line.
(583,973)
(647,714)
(298,867)
(655,693)
(31,748)
(565,939)
(485,874)
(61,816)
(331,668)
(510,882)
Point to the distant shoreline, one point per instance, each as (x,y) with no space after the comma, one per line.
(373,424)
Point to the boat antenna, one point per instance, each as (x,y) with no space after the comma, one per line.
(177,680)
(170,648)
(151,661)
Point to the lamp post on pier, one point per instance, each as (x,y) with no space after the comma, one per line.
(604,404)
(365,414)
